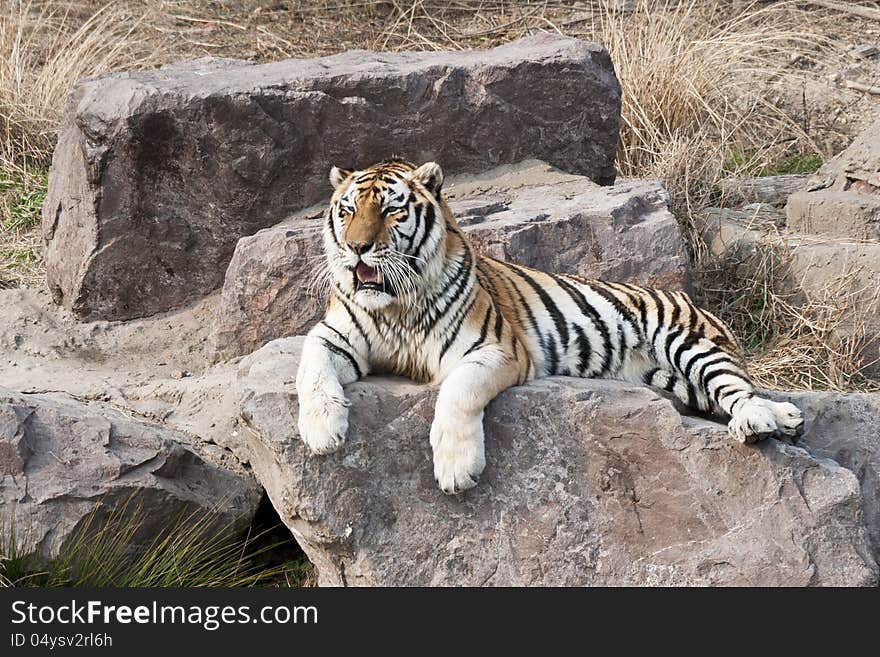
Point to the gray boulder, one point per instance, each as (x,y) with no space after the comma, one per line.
(845,214)
(158,174)
(588,483)
(845,427)
(271,288)
(529,213)
(64,464)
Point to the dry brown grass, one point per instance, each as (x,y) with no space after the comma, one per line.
(709,86)
(824,341)
(698,85)
(44,48)
(796,336)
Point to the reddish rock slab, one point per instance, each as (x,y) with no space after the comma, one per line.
(158,174)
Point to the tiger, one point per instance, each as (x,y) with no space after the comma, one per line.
(409,295)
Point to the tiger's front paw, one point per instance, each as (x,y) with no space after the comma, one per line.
(459,453)
(758,418)
(323,420)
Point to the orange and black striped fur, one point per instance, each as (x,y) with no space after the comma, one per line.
(409,295)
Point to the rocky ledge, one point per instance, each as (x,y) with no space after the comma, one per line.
(67,466)
(587,483)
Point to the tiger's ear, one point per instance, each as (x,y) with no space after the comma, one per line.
(339,176)
(431,176)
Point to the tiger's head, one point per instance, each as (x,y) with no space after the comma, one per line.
(384,232)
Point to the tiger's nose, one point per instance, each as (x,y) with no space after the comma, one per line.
(360,247)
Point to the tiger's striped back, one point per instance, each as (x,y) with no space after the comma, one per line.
(572,326)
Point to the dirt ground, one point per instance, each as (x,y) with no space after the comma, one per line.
(156,368)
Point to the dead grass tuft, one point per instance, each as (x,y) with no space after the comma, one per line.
(45,48)
(701,85)
(795,337)
(22,191)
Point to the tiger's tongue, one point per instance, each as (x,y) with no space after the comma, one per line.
(367,274)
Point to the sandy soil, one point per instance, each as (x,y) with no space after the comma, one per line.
(155,368)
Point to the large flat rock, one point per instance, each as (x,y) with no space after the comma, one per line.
(65,465)
(826,212)
(529,213)
(154,368)
(158,174)
(843,198)
(587,483)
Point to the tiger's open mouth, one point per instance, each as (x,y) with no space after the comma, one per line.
(368,278)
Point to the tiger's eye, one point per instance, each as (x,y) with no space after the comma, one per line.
(390,212)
